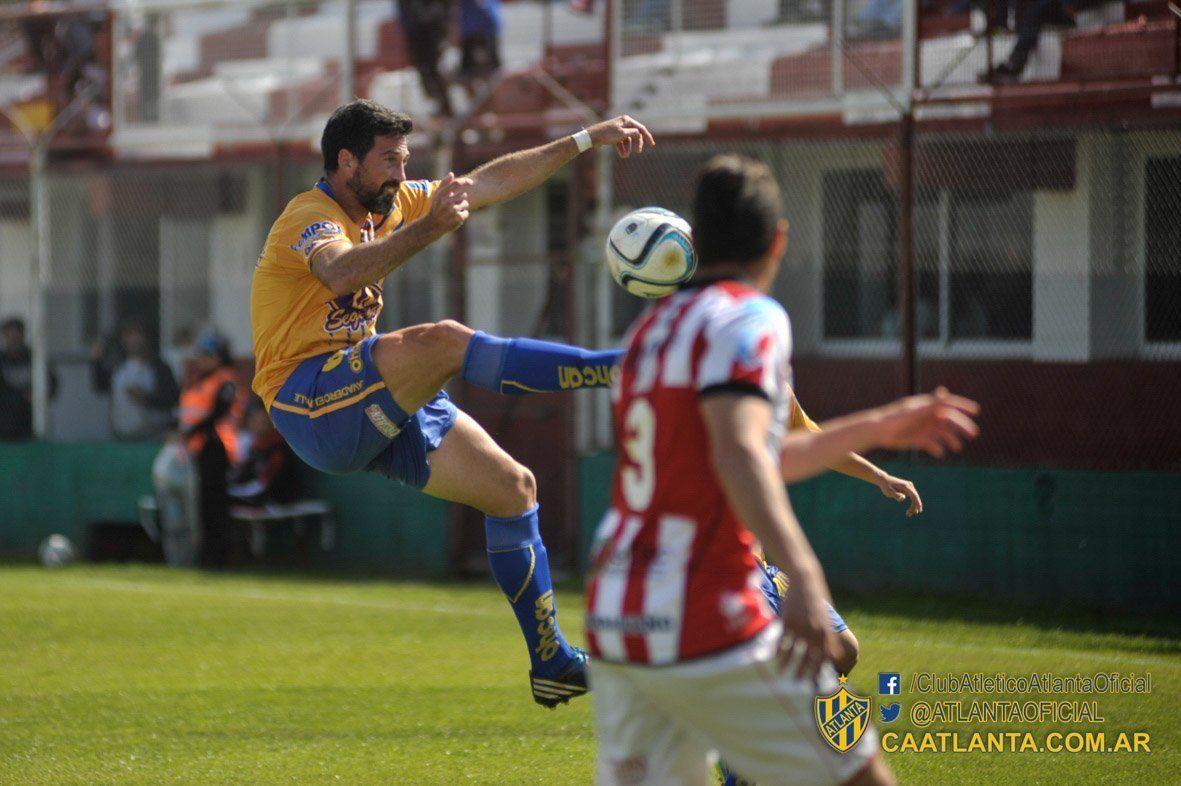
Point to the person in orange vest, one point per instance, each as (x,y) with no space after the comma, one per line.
(209,410)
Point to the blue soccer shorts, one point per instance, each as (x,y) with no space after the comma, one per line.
(338,416)
(774,591)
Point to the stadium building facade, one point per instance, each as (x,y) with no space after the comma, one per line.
(1013,237)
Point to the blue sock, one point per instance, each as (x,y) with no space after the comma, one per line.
(521,569)
(527,365)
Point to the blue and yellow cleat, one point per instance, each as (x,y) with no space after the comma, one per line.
(549,692)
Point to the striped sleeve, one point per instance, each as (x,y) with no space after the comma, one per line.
(747,347)
(414,198)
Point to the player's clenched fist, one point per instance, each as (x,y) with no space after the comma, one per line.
(449,203)
(623,132)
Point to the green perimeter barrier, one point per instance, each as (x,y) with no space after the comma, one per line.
(45,487)
(1037,537)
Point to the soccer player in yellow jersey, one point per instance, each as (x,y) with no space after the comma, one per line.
(775,582)
(348,399)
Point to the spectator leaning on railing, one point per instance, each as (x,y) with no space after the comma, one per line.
(426,24)
(479,42)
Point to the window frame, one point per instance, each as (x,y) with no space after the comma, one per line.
(942,347)
(1147,147)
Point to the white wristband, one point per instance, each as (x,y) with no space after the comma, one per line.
(583,140)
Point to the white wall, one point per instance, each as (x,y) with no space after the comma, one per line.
(1061,267)
(15,268)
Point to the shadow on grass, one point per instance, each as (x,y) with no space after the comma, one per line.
(1160,633)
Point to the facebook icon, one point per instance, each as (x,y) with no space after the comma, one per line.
(889,683)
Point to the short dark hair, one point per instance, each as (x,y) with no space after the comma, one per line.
(353,127)
(736,209)
(13,323)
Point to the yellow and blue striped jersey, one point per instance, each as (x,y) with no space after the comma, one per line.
(293,315)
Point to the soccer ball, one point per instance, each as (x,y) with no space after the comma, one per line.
(650,252)
(56,551)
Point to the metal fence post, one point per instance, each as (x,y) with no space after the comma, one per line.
(39,279)
(906,299)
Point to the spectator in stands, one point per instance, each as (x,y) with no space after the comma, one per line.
(267,471)
(142,388)
(479,37)
(209,409)
(1032,16)
(426,25)
(16,382)
(64,46)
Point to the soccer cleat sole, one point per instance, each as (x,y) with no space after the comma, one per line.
(551,693)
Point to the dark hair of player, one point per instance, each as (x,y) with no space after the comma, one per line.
(353,127)
(13,323)
(736,208)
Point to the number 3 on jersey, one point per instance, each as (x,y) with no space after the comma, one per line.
(639,477)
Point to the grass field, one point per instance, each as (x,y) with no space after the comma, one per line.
(145,675)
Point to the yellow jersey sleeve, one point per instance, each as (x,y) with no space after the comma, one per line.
(312,227)
(799,418)
(414,199)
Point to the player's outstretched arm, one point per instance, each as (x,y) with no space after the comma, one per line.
(345,268)
(898,489)
(857,466)
(513,174)
(737,425)
(934,423)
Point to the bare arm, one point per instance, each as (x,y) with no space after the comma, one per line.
(345,269)
(897,489)
(511,175)
(935,423)
(737,426)
(857,466)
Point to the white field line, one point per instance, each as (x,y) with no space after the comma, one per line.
(463,611)
(268,596)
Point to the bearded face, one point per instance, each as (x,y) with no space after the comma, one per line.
(376,198)
(376,177)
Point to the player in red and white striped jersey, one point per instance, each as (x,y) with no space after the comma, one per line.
(701,409)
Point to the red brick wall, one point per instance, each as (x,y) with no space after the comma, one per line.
(1110,415)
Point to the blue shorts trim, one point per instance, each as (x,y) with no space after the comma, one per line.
(338,416)
(771,592)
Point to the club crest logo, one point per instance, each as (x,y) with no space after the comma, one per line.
(842,717)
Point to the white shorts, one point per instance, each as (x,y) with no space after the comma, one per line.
(665,725)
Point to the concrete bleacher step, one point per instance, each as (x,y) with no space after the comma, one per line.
(15,88)
(292,68)
(1119,52)
(401,90)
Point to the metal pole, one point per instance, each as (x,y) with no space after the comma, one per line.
(348,69)
(39,279)
(988,12)
(906,301)
(837,34)
(911,66)
(1175,9)
(612,46)
(906,276)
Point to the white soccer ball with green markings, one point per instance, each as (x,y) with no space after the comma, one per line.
(650,252)
(56,551)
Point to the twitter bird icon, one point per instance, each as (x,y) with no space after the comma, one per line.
(890,712)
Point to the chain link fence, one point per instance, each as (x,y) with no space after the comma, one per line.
(1045,261)
(1046,280)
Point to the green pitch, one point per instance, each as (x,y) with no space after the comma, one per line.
(145,675)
